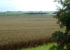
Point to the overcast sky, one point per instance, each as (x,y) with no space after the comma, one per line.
(27,5)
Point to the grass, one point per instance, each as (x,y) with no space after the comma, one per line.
(11,14)
(43,47)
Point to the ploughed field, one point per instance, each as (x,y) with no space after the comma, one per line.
(24,28)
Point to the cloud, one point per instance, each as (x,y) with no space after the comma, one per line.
(27,5)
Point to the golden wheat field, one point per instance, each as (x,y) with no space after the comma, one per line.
(24,28)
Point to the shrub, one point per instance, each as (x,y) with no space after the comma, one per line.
(63,16)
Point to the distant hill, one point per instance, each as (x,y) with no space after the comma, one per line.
(27,12)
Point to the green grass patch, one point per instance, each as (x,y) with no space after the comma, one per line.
(10,14)
(43,47)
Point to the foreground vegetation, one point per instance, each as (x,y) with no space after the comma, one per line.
(43,47)
(63,16)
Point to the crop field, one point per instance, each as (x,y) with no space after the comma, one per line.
(24,28)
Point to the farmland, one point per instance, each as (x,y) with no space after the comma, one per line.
(24,28)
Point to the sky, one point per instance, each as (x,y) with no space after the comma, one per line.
(28,5)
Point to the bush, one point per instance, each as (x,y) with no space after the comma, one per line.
(63,16)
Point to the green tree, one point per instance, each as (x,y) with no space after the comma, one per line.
(63,16)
